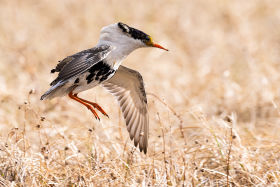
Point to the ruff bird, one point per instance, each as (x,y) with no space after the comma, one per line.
(101,65)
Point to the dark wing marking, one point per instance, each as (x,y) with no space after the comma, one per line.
(128,87)
(80,62)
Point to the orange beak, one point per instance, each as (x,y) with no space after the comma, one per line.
(158,46)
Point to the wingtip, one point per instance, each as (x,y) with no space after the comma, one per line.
(135,143)
(131,136)
(143,149)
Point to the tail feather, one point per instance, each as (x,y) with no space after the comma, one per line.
(54,91)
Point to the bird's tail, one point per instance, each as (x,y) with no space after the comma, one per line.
(55,91)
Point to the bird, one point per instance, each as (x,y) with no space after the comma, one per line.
(101,65)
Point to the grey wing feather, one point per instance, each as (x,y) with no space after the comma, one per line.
(128,87)
(80,62)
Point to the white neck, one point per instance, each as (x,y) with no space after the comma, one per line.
(123,45)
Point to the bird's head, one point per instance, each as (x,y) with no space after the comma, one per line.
(120,34)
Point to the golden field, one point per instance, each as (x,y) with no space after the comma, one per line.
(213,98)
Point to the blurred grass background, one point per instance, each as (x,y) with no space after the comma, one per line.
(213,98)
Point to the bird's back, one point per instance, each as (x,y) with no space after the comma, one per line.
(80,71)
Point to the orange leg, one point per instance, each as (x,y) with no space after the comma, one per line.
(95,105)
(76,98)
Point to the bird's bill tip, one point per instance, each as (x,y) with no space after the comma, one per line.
(159,46)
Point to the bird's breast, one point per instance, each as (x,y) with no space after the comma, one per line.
(115,58)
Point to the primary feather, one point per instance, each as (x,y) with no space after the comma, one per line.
(128,87)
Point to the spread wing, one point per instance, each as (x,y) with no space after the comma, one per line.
(80,62)
(127,85)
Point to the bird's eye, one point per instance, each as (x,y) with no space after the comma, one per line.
(148,40)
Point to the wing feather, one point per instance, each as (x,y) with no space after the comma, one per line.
(134,126)
(73,66)
(80,62)
(128,87)
(137,132)
(128,110)
(130,120)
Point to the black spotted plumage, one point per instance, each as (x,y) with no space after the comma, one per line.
(134,33)
(73,66)
(77,81)
(99,72)
(79,63)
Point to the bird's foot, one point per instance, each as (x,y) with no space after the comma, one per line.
(95,105)
(93,111)
(85,103)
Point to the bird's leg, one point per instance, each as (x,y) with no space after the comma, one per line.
(76,98)
(95,105)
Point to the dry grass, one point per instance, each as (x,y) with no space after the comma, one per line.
(213,99)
